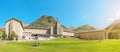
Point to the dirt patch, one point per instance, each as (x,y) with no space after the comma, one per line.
(3,42)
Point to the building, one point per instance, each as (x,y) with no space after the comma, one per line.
(23,32)
(68,34)
(92,35)
(111,32)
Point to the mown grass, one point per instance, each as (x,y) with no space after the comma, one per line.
(63,45)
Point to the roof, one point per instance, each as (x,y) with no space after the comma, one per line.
(15,20)
(35,28)
(69,31)
(92,30)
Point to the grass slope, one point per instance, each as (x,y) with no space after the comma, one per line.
(63,45)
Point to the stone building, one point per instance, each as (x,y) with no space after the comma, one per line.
(110,32)
(68,34)
(92,35)
(24,32)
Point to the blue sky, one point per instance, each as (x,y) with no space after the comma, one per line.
(98,13)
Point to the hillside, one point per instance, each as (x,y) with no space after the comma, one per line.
(85,27)
(1,31)
(45,22)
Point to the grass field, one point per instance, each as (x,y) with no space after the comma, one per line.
(63,45)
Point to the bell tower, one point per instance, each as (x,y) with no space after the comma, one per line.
(57,28)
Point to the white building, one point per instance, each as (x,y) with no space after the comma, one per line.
(34,33)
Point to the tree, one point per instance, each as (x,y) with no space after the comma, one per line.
(4,35)
(13,35)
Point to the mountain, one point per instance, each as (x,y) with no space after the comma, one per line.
(2,29)
(114,26)
(72,28)
(64,28)
(85,27)
(45,22)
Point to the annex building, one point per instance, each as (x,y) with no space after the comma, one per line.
(111,32)
(23,32)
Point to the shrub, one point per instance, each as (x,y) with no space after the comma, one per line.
(113,35)
(4,35)
(35,44)
(13,35)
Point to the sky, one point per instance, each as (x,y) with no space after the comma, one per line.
(97,13)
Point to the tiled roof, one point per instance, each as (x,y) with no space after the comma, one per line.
(15,20)
(92,30)
(35,28)
(69,31)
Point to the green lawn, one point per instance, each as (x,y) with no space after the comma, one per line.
(63,45)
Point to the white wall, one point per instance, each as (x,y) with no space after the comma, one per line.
(17,28)
(68,33)
(37,31)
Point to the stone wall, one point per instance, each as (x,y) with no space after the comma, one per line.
(69,34)
(37,31)
(92,35)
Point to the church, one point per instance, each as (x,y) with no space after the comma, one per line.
(24,32)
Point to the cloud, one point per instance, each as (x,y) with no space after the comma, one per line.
(118,14)
(110,19)
(114,17)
